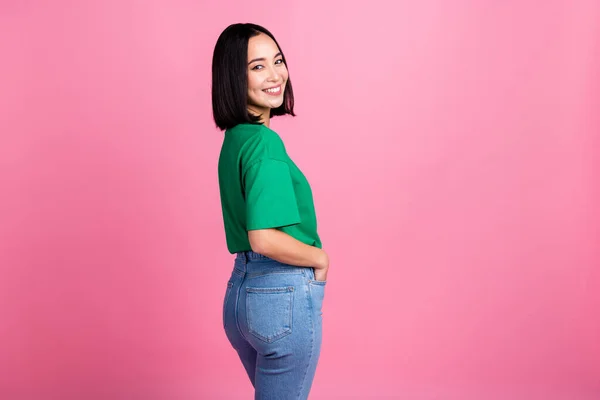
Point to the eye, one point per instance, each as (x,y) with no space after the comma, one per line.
(280,61)
(257,67)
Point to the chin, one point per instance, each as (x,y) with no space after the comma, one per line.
(276,104)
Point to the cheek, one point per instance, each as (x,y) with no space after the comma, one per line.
(253,84)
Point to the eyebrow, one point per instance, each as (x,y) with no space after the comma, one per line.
(263,59)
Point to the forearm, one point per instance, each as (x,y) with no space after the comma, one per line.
(286,249)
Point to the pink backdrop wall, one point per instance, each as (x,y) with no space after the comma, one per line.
(453,149)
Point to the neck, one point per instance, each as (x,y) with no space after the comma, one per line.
(265,115)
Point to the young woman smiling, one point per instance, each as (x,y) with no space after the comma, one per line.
(272,307)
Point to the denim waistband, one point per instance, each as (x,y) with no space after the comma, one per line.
(250,255)
(255,263)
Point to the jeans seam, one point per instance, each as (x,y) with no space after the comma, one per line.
(236,311)
(312,340)
(227,299)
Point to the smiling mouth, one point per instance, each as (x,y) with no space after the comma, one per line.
(273,91)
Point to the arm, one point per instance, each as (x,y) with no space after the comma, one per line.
(284,248)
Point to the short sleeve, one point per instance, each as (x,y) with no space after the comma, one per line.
(270,196)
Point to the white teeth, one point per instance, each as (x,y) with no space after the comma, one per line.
(275,90)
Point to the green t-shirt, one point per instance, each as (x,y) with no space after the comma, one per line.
(262,188)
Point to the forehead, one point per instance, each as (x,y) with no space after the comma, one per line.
(261,46)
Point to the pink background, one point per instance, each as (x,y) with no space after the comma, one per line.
(454,152)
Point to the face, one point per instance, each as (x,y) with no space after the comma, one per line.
(267,75)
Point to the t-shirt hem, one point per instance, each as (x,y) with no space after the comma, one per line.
(272,225)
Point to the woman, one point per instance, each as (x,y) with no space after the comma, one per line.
(272,306)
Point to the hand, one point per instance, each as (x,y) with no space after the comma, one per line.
(321,274)
(322,267)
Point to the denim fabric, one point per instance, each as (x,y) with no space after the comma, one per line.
(272,317)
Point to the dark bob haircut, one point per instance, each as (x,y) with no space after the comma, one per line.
(230,78)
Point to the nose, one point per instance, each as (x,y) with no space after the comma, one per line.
(273,75)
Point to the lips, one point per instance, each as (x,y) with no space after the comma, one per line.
(274,91)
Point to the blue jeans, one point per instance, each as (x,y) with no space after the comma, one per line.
(272,317)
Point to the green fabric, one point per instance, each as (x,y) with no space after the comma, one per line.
(262,188)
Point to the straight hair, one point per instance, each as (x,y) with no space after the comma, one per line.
(230,78)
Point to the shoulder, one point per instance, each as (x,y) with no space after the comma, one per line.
(245,129)
(264,143)
(257,133)
(267,136)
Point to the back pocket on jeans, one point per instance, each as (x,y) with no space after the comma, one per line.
(269,312)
